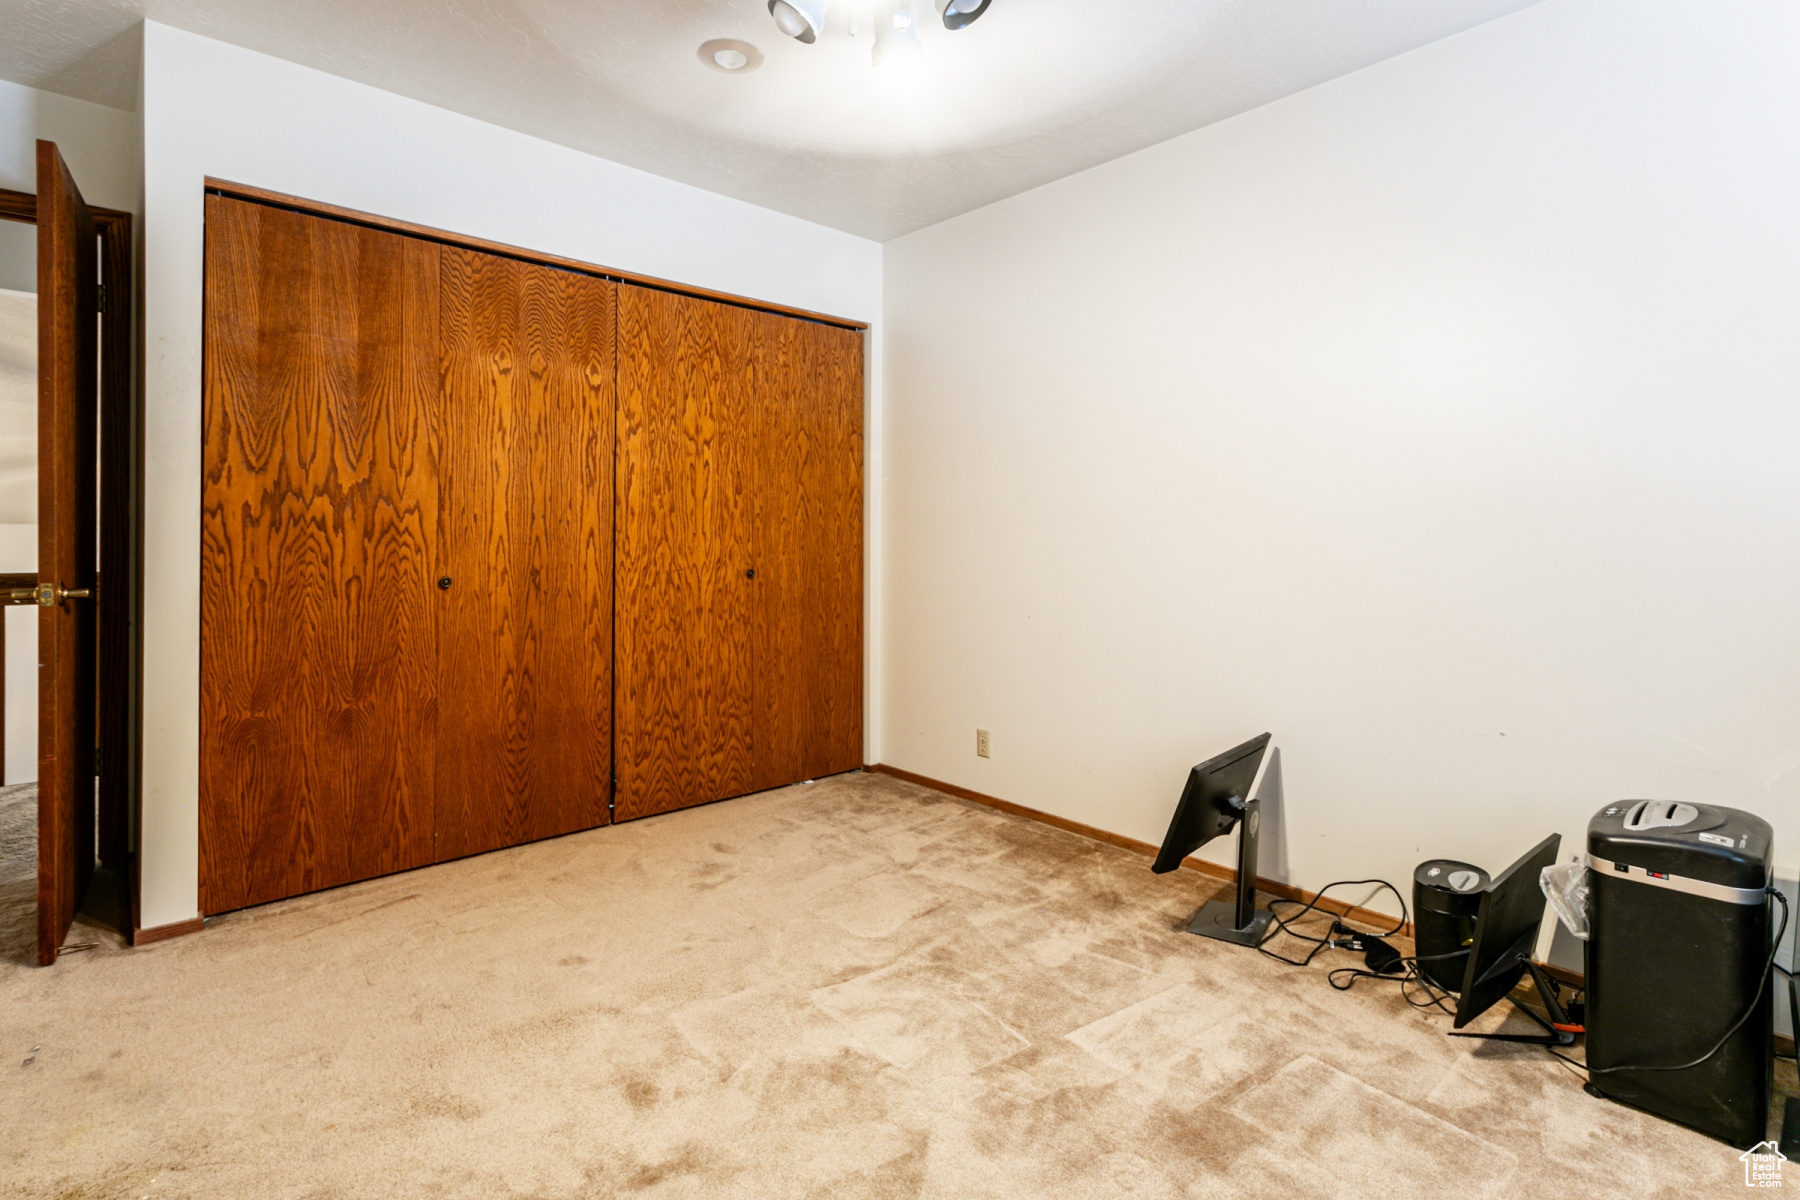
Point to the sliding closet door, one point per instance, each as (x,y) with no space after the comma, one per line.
(685,469)
(807,605)
(319,526)
(525,697)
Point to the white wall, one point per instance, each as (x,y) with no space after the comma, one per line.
(214,109)
(1443,419)
(101,146)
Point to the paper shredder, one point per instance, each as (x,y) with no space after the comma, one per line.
(1679,939)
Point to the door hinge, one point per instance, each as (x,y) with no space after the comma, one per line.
(100,298)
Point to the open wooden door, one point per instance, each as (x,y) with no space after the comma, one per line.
(68,378)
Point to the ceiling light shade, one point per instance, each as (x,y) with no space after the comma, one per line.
(730,56)
(799,19)
(958,13)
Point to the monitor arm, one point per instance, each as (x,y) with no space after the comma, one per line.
(1238,920)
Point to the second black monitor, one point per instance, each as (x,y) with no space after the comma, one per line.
(1212,802)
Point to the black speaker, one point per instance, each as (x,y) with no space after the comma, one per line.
(1446,901)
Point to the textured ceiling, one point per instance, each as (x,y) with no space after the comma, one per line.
(1035,90)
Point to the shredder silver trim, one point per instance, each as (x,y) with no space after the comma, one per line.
(1677,883)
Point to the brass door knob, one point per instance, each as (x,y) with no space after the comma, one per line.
(49,595)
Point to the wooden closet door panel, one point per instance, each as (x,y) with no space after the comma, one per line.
(318,668)
(808,599)
(525,746)
(686,437)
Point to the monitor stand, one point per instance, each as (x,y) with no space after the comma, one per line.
(1556,1030)
(1238,920)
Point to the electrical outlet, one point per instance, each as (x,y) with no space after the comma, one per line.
(981,743)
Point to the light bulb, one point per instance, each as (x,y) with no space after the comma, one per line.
(799,19)
(786,19)
(899,55)
(960,14)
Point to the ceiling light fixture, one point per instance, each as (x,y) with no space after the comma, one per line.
(799,19)
(959,14)
(730,56)
(898,53)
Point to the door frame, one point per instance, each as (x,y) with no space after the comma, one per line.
(121,455)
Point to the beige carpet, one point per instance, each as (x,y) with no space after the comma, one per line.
(856,988)
(18,831)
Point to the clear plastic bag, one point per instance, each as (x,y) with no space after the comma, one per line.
(1566,887)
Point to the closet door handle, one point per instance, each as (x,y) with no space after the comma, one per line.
(750,574)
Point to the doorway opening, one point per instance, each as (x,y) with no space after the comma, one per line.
(18,569)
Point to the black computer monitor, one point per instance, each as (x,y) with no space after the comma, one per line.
(1220,794)
(1506,932)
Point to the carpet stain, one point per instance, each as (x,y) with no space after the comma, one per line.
(691,1159)
(641,1093)
(443,1104)
(902,1177)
